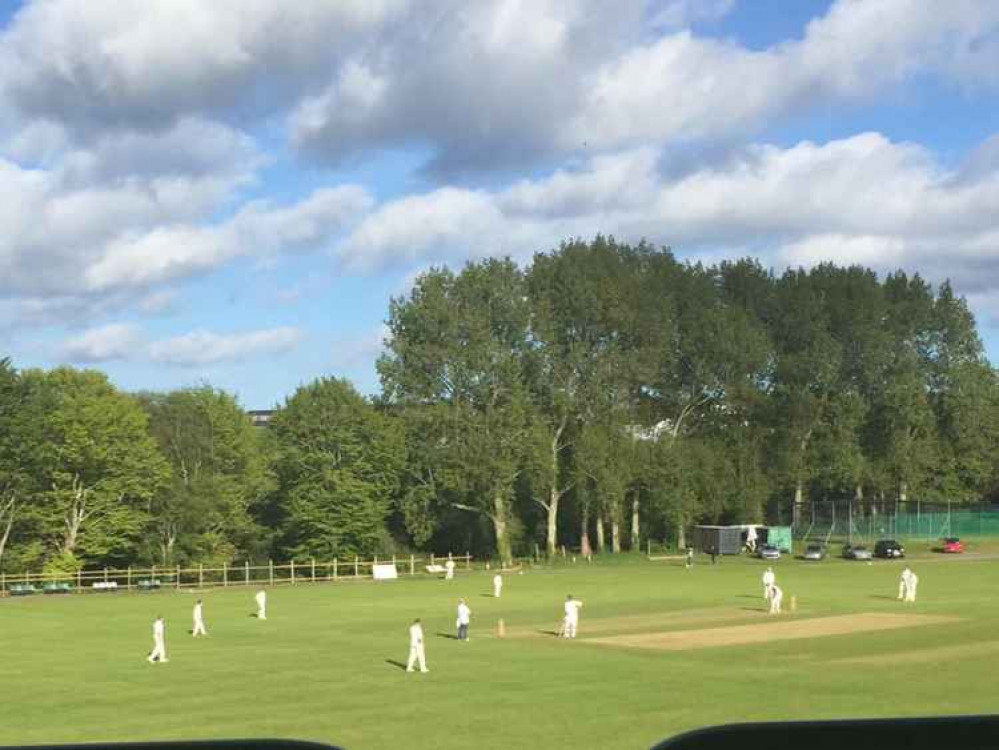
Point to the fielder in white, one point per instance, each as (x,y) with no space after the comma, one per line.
(261,605)
(449,569)
(158,654)
(903,583)
(769,579)
(199,620)
(571,619)
(497,586)
(910,595)
(776,597)
(464,619)
(416,652)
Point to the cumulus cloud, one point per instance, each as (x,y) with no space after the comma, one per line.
(200,348)
(108,342)
(863,199)
(124,341)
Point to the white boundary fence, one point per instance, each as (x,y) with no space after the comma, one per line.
(177,577)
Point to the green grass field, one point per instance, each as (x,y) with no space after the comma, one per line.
(325,665)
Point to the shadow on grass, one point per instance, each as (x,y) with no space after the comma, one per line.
(450,636)
(396,663)
(883,596)
(754,609)
(488,596)
(748,596)
(549,632)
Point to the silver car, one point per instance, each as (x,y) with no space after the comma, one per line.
(859,552)
(814,552)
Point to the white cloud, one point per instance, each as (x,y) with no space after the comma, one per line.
(200,348)
(862,199)
(680,14)
(108,342)
(124,341)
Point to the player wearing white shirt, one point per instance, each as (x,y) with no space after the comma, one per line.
(769,578)
(449,569)
(776,597)
(199,620)
(416,651)
(497,585)
(571,620)
(261,598)
(464,618)
(158,653)
(910,595)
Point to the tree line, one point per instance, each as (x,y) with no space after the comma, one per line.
(602,394)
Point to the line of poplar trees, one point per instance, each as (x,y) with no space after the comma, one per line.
(602,395)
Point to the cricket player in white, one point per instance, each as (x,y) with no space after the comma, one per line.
(571,620)
(464,618)
(199,620)
(449,568)
(910,594)
(769,579)
(261,605)
(416,652)
(776,597)
(903,584)
(158,653)
(497,586)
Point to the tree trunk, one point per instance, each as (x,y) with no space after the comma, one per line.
(636,542)
(681,537)
(584,535)
(503,548)
(903,491)
(858,492)
(7,514)
(615,523)
(601,539)
(799,493)
(554,494)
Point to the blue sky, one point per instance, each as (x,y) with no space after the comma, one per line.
(231,191)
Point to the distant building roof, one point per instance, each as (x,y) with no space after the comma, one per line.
(260,417)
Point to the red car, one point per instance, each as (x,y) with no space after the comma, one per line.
(952,544)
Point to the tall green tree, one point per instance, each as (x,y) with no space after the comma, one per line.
(457,343)
(217,476)
(337,461)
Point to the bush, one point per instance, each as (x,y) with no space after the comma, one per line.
(64,566)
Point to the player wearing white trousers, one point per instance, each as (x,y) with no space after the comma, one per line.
(261,605)
(776,597)
(903,583)
(910,595)
(449,569)
(464,620)
(571,619)
(769,579)
(158,654)
(199,620)
(497,585)
(416,652)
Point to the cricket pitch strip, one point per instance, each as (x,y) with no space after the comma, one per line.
(776,629)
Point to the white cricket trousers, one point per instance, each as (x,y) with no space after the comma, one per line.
(569,629)
(159,651)
(199,627)
(416,654)
(775,601)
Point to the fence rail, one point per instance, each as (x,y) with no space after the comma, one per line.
(845,520)
(292,572)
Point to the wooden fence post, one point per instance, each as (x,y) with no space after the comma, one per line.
(334,569)
(468,560)
(293,570)
(201,575)
(246,573)
(313,570)
(412,565)
(355,566)
(105,575)
(79,581)
(225,574)
(178,575)
(128,581)
(270,567)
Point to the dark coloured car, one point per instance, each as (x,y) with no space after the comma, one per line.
(859,552)
(889,549)
(814,552)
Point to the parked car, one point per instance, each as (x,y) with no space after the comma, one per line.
(859,552)
(768,552)
(888,548)
(952,545)
(814,552)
